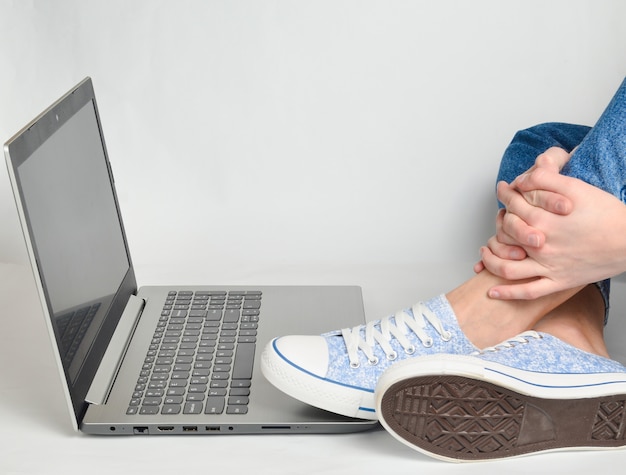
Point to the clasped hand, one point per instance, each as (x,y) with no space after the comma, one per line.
(555,233)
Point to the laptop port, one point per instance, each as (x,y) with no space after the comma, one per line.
(190,428)
(166,428)
(140,430)
(212,428)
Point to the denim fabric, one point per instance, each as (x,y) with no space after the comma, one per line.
(601,156)
(599,160)
(527,144)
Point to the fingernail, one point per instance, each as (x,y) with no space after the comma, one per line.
(517,254)
(533,240)
(559,207)
(494,294)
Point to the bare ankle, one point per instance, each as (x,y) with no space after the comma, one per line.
(579,322)
(487,322)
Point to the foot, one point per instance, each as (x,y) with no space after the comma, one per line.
(339,371)
(532,393)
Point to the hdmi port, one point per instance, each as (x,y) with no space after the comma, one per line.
(165,428)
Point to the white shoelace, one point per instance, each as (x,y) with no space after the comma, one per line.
(399,328)
(522,338)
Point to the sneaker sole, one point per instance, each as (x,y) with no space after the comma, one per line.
(462,419)
(316,391)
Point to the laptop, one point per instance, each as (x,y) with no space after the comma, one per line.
(158,360)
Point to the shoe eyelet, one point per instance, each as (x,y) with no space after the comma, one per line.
(428,343)
(392,356)
(373,361)
(355,365)
(410,350)
(446,336)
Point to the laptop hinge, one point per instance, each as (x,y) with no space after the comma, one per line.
(110,365)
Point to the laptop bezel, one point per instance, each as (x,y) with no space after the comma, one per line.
(17,151)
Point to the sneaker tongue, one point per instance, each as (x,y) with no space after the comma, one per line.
(441,307)
(438,305)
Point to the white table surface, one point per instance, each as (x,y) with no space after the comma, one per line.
(37,436)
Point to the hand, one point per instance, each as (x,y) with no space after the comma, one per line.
(512,233)
(586,245)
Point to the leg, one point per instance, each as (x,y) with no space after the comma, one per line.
(549,389)
(600,159)
(487,322)
(527,144)
(579,321)
(339,371)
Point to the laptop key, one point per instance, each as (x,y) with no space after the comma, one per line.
(238,400)
(152,401)
(173,400)
(195,397)
(170,409)
(244,359)
(192,407)
(232,315)
(239,392)
(214,405)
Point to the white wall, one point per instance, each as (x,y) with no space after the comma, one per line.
(301,135)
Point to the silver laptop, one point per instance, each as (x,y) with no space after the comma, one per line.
(161,359)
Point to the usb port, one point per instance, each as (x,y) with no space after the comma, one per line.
(190,428)
(212,428)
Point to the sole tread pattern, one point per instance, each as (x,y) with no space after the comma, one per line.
(461,418)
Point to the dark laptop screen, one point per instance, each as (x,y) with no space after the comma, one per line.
(76,233)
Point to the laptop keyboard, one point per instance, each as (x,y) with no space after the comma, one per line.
(201,355)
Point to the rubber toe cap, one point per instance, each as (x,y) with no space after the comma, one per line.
(308,353)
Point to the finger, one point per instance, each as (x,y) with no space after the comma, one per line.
(514,201)
(505,251)
(550,201)
(479,267)
(554,159)
(544,179)
(517,222)
(508,269)
(501,236)
(525,291)
(521,234)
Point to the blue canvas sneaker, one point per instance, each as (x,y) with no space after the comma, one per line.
(338,371)
(533,393)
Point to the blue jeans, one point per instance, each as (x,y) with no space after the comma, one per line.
(600,159)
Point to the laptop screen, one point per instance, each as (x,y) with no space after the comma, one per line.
(76,233)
